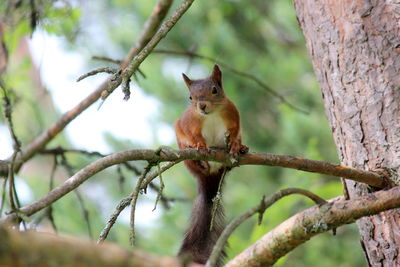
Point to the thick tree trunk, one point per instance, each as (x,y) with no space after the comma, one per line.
(355,50)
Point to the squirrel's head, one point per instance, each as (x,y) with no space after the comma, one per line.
(207,94)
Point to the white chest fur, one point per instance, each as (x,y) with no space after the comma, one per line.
(213,132)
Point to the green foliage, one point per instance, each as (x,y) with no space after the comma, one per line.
(259,37)
(62,21)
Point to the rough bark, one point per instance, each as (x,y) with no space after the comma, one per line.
(354,46)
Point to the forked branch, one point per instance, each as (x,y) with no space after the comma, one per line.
(315,220)
(260,209)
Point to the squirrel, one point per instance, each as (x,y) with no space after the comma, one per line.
(211,120)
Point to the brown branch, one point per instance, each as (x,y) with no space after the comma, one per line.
(260,208)
(107,59)
(315,220)
(11,185)
(42,140)
(49,211)
(135,195)
(113,218)
(160,189)
(31,248)
(97,71)
(244,74)
(167,154)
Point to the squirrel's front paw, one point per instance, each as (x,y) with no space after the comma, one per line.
(235,147)
(243,149)
(203,146)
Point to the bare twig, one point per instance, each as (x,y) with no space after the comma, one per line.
(14,205)
(97,71)
(159,194)
(315,220)
(126,88)
(121,179)
(135,195)
(265,204)
(49,210)
(244,74)
(85,211)
(368,177)
(126,201)
(107,59)
(113,218)
(3,196)
(53,172)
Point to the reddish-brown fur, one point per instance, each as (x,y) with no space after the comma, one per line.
(208,99)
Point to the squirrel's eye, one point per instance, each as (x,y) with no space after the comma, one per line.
(190,97)
(214,90)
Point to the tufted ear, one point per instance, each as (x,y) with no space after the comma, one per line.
(216,75)
(187,80)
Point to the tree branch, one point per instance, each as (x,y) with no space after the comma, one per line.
(30,248)
(167,154)
(315,220)
(97,71)
(41,141)
(260,208)
(135,195)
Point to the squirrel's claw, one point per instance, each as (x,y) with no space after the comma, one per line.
(203,147)
(243,149)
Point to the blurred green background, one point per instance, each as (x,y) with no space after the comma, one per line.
(259,37)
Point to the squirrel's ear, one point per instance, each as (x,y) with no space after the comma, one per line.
(216,74)
(187,80)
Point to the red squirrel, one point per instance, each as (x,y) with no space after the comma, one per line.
(211,120)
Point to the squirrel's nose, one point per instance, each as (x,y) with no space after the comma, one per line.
(203,106)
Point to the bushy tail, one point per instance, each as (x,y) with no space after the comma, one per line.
(199,240)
